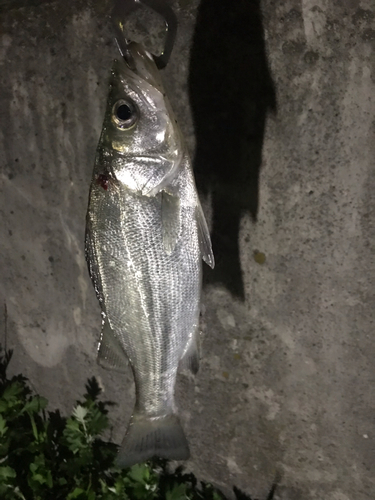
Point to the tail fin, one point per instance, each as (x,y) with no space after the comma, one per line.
(149,437)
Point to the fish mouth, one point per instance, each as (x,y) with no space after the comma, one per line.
(144,71)
(144,66)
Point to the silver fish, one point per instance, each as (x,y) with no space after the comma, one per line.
(145,237)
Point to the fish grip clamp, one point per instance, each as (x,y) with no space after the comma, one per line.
(123,8)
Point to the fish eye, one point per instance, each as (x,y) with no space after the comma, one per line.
(124,114)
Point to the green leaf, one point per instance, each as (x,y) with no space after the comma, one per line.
(12,391)
(40,472)
(3,426)
(80,413)
(139,473)
(39,478)
(7,472)
(178,493)
(35,404)
(96,422)
(75,493)
(73,425)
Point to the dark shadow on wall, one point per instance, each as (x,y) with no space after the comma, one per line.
(231,92)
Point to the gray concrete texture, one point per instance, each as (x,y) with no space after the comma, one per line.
(277,103)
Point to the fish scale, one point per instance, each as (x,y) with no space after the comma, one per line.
(149,293)
(145,239)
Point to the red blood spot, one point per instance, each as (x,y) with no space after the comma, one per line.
(103,180)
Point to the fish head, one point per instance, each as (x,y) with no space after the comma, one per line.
(140,139)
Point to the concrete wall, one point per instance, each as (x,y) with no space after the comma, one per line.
(279,110)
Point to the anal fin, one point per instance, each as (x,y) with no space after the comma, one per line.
(111,355)
(191,357)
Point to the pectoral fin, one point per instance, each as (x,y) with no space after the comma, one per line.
(204,237)
(170,214)
(110,352)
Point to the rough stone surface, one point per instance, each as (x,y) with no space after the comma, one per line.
(279,111)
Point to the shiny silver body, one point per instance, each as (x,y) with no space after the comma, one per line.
(150,298)
(145,240)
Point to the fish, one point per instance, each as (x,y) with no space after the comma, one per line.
(146,237)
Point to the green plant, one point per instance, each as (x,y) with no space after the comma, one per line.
(44,455)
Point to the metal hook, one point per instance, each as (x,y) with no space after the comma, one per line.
(123,8)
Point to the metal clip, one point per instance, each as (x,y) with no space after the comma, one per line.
(123,8)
